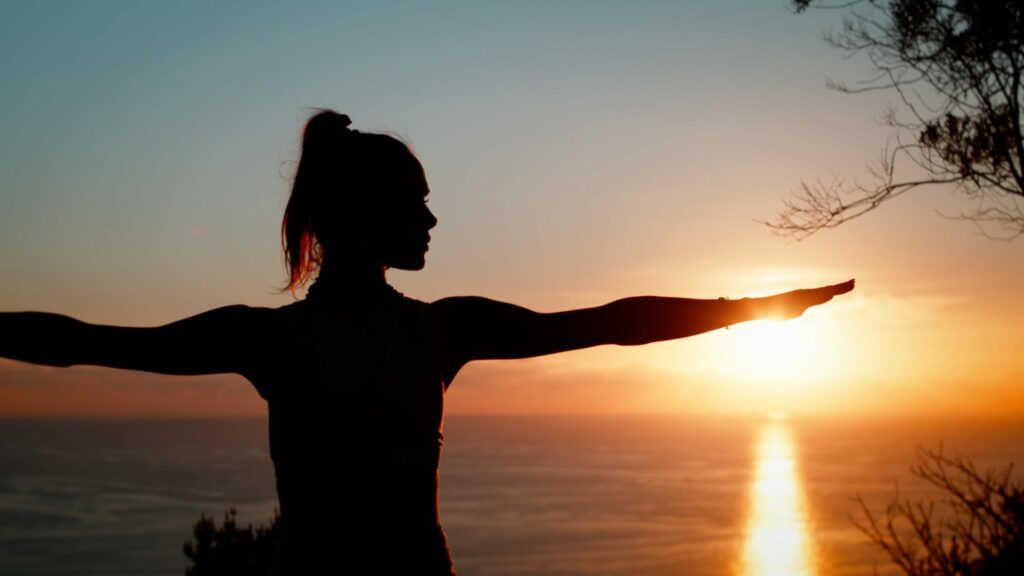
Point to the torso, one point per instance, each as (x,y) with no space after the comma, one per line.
(356,404)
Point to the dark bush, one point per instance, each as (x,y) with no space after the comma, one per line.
(230,550)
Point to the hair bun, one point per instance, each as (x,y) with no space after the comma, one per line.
(324,128)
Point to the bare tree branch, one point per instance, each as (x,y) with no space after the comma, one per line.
(975,528)
(956,68)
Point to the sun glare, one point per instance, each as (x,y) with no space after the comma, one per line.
(792,352)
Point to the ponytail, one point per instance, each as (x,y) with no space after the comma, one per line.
(301,228)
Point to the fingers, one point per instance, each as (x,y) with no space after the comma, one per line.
(826,293)
(816,296)
(837,289)
(793,304)
(843,287)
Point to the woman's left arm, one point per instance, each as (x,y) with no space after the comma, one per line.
(477,328)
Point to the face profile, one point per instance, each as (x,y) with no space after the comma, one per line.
(401,237)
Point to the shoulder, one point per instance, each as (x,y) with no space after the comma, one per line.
(254,318)
(464,317)
(454,314)
(258,329)
(276,317)
(469,307)
(266,334)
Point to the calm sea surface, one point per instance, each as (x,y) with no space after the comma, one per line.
(520,495)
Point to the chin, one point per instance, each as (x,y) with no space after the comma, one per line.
(412,264)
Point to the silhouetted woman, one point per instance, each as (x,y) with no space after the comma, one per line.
(354,375)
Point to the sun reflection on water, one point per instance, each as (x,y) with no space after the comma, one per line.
(778,539)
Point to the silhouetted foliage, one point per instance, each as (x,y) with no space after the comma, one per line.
(977,528)
(956,67)
(231,550)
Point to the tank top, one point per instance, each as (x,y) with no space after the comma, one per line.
(356,435)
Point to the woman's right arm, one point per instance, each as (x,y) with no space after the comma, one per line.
(216,341)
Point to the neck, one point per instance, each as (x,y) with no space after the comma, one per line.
(350,278)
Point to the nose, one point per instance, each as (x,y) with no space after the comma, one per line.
(431,219)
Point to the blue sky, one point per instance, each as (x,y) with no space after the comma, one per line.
(577,152)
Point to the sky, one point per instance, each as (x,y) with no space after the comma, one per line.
(577,153)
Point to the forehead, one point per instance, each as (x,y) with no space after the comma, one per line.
(409,176)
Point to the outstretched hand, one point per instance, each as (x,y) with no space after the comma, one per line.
(792,304)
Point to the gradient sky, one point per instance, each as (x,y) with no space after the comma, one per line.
(577,152)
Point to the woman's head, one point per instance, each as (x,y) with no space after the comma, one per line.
(358,198)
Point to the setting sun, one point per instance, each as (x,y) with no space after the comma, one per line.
(782,352)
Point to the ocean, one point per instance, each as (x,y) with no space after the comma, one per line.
(538,495)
